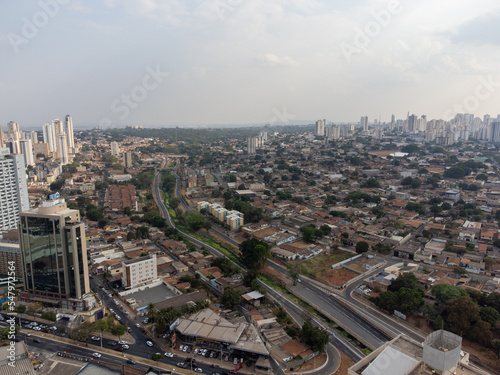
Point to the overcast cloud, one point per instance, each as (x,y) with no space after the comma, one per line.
(241,62)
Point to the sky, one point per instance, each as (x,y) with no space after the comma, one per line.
(233,62)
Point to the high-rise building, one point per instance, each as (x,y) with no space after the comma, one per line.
(27,151)
(63,148)
(251,145)
(54,256)
(495,132)
(364,123)
(13,189)
(34,137)
(48,137)
(68,129)
(320,128)
(1,138)
(115,149)
(127,159)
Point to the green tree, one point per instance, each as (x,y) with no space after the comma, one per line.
(174,203)
(315,337)
(493,300)
(231,298)
(409,300)
(127,211)
(152,311)
(118,330)
(460,271)
(294,273)
(405,280)
(194,220)
(253,253)
(130,236)
(489,314)
(362,247)
(156,357)
(372,183)
(445,293)
(461,313)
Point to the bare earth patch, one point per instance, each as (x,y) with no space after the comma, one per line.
(344,364)
(339,276)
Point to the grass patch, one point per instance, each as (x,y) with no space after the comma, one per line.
(320,265)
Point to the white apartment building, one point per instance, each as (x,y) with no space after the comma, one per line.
(13,189)
(139,271)
(115,149)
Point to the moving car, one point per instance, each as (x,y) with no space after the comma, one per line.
(37,340)
(125,346)
(96,355)
(149,343)
(137,325)
(131,361)
(181,364)
(95,338)
(169,355)
(197,369)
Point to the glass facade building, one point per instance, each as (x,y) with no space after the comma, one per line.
(54,254)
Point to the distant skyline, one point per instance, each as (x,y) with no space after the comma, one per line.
(233,62)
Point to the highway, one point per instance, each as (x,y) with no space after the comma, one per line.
(346,317)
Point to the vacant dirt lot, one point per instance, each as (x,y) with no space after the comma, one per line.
(320,265)
(339,276)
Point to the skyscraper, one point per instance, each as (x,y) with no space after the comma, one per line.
(320,128)
(13,189)
(27,151)
(495,132)
(127,159)
(54,256)
(48,136)
(251,145)
(68,129)
(63,149)
(364,123)
(115,149)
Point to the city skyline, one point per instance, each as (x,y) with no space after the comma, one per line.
(232,63)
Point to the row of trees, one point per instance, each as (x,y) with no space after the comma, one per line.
(468,313)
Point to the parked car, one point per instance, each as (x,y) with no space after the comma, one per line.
(235,361)
(169,355)
(131,361)
(181,364)
(197,369)
(113,343)
(122,342)
(37,340)
(125,346)
(189,349)
(95,338)
(149,343)
(195,352)
(137,325)
(119,348)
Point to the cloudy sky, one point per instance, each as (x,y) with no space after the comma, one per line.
(206,62)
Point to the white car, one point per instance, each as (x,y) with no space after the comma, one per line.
(28,334)
(111,311)
(121,342)
(181,348)
(137,325)
(37,328)
(149,343)
(97,355)
(235,361)
(125,346)
(169,355)
(195,352)
(116,302)
(197,369)
(95,338)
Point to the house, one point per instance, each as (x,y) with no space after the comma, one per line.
(451,196)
